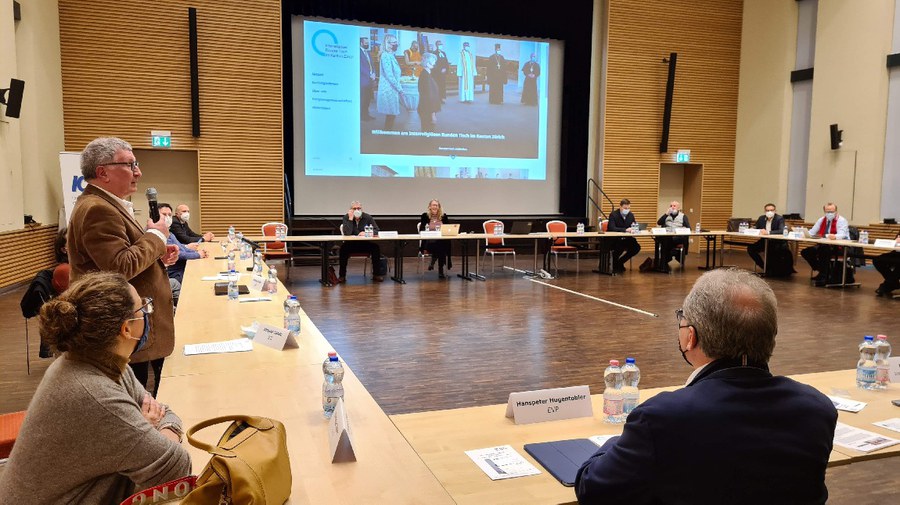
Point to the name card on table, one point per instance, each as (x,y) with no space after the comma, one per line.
(388,234)
(339,435)
(752,231)
(274,337)
(682,231)
(257,282)
(894,366)
(550,404)
(429,233)
(658,231)
(885,242)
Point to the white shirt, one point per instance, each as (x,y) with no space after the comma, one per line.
(695,373)
(129,207)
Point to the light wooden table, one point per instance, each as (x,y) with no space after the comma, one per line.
(286,385)
(442,437)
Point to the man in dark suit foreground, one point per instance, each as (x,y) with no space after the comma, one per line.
(735,433)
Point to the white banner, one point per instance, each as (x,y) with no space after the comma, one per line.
(73,182)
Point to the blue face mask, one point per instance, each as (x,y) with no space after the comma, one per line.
(143,340)
(625,211)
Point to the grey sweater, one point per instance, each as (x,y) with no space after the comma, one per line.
(84,440)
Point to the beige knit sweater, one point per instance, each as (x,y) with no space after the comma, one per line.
(84,439)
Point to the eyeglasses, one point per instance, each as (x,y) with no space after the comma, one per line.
(355,208)
(133,165)
(679,317)
(147,307)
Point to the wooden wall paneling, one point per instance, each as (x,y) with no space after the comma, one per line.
(706,35)
(23,253)
(126,71)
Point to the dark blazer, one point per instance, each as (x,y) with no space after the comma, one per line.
(366,68)
(441,67)
(355,227)
(777,224)
(429,94)
(618,222)
(424,219)
(183,232)
(103,236)
(735,435)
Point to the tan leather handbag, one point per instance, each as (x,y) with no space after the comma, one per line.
(249,464)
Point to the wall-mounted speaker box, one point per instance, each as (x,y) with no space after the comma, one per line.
(12,97)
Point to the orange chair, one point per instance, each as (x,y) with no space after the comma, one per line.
(495,245)
(276,250)
(561,245)
(10,424)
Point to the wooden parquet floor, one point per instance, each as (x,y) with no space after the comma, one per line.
(433,344)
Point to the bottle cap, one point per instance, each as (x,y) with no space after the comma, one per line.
(868,338)
(629,360)
(613,362)
(332,354)
(882,337)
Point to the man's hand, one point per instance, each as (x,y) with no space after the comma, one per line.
(763,232)
(193,246)
(208,236)
(159,226)
(831,236)
(361,234)
(204,253)
(171,255)
(152,410)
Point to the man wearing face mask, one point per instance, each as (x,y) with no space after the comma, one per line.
(104,235)
(441,67)
(620,220)
(182,231)
(185,252)
(769,223)
(831,226)
(354,224)
(673,218)
(466,71)
(496,75)
(754,437)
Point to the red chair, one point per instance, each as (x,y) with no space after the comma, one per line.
(494,245)
(276,250)
(561,245)
(10,424)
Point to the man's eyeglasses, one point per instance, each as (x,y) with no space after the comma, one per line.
(679,317)
(133,165)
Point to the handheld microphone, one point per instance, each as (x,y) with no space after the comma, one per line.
(154,206)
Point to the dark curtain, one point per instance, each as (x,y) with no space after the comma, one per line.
(568,21)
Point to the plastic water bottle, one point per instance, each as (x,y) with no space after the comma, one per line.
(697,228)
(292,315)
(785,232)
(635,228)
(272,282)
(257,263)
(231,234)
(882,370)
(612,395)
(866,367)
(499,228)
(631,376)
(863,237)
(332,389)
(579,228)
(233,285)
(230,266)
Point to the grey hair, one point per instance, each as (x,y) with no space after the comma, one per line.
(830,204)
(99,151)
(355,202)
(735,314)
(429,59)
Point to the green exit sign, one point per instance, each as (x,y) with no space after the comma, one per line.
(683,156)
(161,139)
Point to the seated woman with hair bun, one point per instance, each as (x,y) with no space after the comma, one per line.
(92,433)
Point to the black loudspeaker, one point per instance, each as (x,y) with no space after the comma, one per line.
(13,100)
(195,73)
(836,135)
(667,108)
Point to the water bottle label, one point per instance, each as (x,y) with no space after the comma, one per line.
(882,375)
(613,407)
(865,375)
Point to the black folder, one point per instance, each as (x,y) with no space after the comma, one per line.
(222,289)
(563,458)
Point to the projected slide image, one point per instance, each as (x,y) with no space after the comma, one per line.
(472,173)
(438,94)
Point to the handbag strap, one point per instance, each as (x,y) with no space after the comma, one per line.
(260,423)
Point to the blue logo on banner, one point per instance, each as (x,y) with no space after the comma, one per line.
(77,183)
(315,39)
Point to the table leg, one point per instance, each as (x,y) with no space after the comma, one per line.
(464,269)
(398,261)
(476,275)
(765,256)
(325,247)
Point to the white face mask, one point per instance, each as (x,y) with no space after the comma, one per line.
(168,220)
(357,213)
(829,215)
(770,214)
(185,216)
(625,212)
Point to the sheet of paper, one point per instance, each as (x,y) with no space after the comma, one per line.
(846,404)
(254,299)
(236,345)
(218,278)
(892,424)
(601,439)
(502,462)
(860,440)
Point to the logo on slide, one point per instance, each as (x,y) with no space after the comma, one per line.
(325,43)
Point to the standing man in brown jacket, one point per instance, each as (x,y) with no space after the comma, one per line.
(104,235)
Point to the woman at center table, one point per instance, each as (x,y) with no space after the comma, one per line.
(92,433)
(439,249)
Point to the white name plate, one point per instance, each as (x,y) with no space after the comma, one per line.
(658,231)
(752,231)
(257,282)
(429,233)
(387,234)
(550,404)
(274,337)
(339,439)
(885,242)
(682,231)
(894,366)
